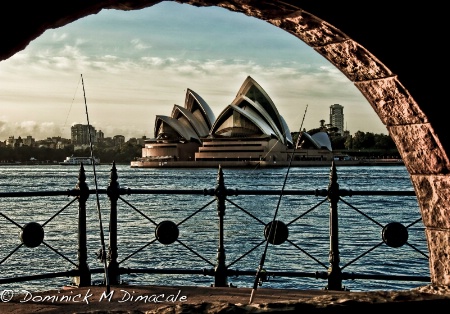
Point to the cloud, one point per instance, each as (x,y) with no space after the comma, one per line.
(136,73)
(38,130)
(139,45)
(152,84)
(56,36)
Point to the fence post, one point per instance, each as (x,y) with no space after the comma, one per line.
(113,194)
(84,278)
(220,271)
(334,271)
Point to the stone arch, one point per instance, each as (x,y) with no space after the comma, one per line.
(413,125)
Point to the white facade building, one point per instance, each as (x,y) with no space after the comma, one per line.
(337,117)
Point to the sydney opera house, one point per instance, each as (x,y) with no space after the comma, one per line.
(249,130)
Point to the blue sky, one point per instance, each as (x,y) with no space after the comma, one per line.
(138,64)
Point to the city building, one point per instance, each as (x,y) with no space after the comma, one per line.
(337,117)
(119,140)
(80,134)
(137,141)
(14,142)
(29,141)
(100,136)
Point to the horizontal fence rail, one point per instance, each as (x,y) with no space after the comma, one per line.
(277,232)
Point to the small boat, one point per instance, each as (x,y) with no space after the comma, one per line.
(73,161)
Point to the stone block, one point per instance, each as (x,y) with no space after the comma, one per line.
(439,248)
(391,101)
(433,198)
(420,149)
(354,61)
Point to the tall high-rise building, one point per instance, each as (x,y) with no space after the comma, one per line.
(80,134)
(100,136)
(337,117)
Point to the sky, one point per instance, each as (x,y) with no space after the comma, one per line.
(138,64)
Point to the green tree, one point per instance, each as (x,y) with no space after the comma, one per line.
(384,142)
(349,142)
(338,142)
(363,140)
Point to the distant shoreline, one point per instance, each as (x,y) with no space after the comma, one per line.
(232,164)
(55,164)
(264,164)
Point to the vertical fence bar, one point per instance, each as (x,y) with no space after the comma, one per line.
(84,278)
(334,271)
(113,194)
(220,271)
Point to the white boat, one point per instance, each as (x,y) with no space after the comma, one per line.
(73,161)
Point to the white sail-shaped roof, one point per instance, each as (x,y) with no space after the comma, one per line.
(318,140)
(198,106)
(244,103)
(249,114)
(199,126)
(251,89)
(287,132)
(252,113)
(184,131)
(322,139)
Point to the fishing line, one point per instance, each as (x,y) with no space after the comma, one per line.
(263,256)
(73,99)
(102,237)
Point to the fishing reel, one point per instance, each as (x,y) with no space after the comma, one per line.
(263,277)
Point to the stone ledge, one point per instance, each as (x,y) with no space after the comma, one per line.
(231,300)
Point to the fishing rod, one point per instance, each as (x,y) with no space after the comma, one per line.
(102,237)
(263,256)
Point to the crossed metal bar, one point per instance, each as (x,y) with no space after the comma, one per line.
(221,271)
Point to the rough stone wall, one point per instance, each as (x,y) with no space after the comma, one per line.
(408,122)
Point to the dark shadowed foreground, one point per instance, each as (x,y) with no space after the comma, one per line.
(185,299)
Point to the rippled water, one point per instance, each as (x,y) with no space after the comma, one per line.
(307,248)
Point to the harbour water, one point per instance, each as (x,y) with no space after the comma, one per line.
(306,251)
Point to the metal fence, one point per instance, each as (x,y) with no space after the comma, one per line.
(210,252)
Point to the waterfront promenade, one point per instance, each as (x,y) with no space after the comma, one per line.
(188,299)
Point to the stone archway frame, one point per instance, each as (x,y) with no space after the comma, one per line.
(416,140)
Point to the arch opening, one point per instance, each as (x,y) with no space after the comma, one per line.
(407,123)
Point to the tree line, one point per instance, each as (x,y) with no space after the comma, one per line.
(26,154)
(361,144)
(365,144)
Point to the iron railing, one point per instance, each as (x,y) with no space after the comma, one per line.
(166,232)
